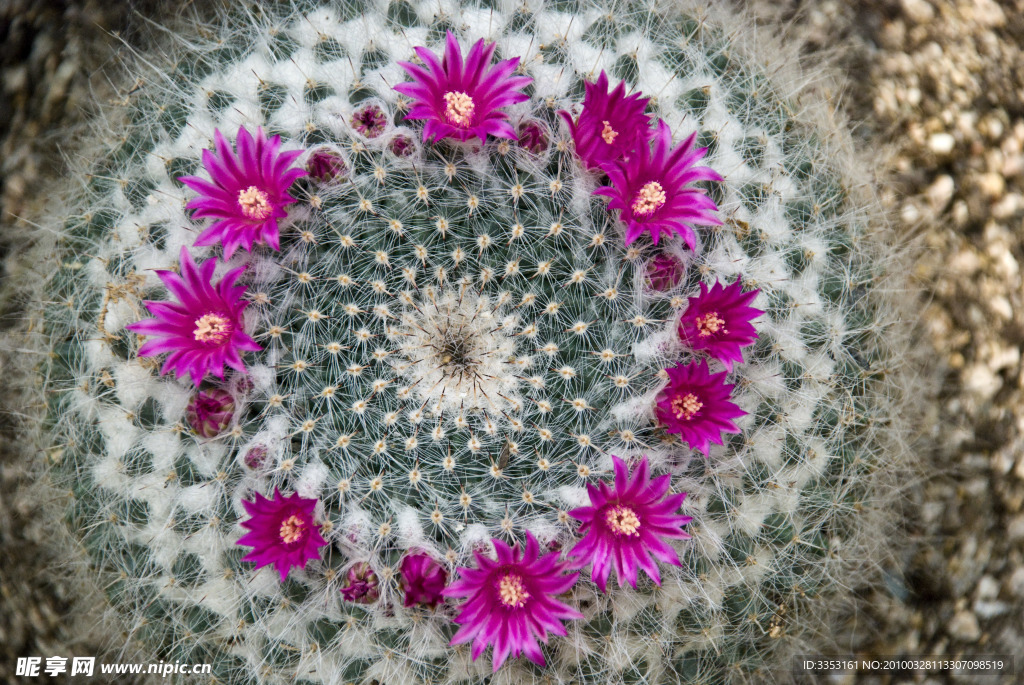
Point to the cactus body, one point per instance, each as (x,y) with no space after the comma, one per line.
(456,340)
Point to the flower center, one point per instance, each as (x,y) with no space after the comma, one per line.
(608,133)
(686,406)
(710,324)
(212,328)
(651,197)
(293,529)
(254,203)
(512,592)
(460,108)
(623,521)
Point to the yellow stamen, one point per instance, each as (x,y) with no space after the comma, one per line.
(651,197)
(686,406)
(212,328)
(608,133)
(292,529)
(710,324)
(460,108)
(254,203)
(623,521)
(512,592)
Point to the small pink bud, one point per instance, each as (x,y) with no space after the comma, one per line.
(423,579)
(664,271)
(533,135)
(401,145)
(370,120)
(326,165)
(360,584)
(209,412)
(256,457)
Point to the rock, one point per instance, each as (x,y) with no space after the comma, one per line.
(964,626)
(988,588)
(1015,583)
(940,192)
(941,143)
(918,10)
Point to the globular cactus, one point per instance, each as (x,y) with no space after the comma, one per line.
(455,341)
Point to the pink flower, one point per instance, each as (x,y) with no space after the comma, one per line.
(370,120)
(423,579)
(612,126)
(511,601)
(626,526)
(650,189)
(696,405)
(282,532)
(248,191)
(204,330)
(360,584)
(718,320)
(463,99)
(209,412)
(664,271)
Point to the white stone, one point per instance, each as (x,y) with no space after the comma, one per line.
(941,143)
(964,626)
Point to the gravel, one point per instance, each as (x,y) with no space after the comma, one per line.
(936,84)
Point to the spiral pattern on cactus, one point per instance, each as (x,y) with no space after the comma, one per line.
(455,341)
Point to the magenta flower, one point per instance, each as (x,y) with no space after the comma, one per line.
(281,532)
(209,412)
(511,601)
(248,191)
(423,579)
(664,271)
(696,404)
(370,120)
(651,192)
(626,526)
(718,320)
(612,126)
(360,584)
(463,99)
(204,330)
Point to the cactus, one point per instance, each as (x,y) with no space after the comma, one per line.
(456,340)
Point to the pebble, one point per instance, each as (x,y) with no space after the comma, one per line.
(941,143)
(964,626)
(918,10)
(1015,584)
(940,192)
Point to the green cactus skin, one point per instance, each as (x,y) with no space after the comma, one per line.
(512,248)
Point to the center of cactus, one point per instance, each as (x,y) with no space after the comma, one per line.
(254,203)
(212,328)
(512,592)
(292,529)
(460,108)
(459,352)
(608,133)
(649,198)
(709,324)
(686,406)
(623,521)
